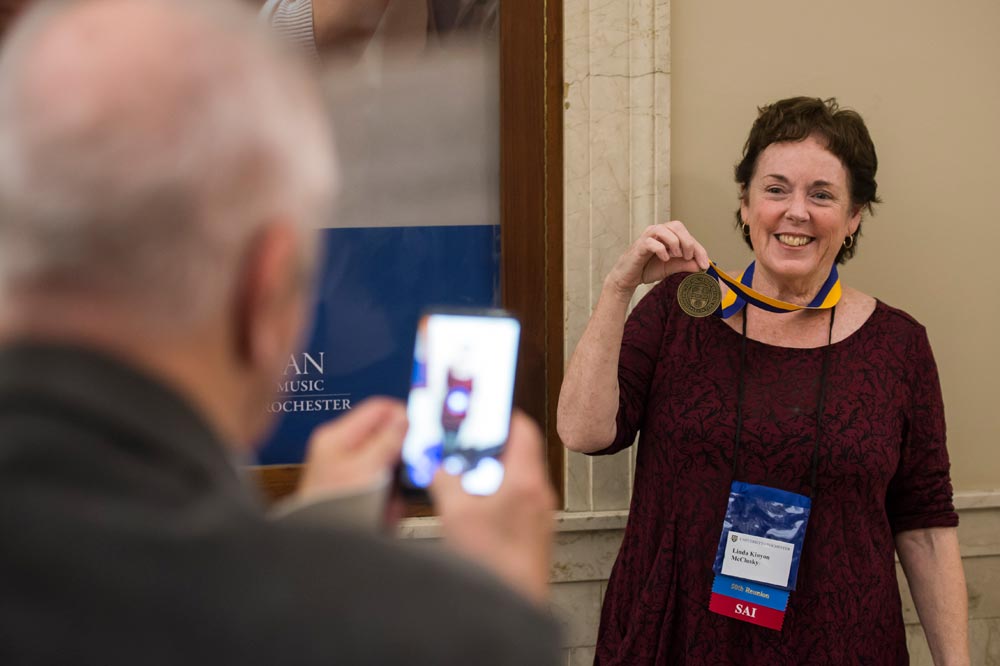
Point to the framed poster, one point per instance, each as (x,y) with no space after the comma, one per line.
(417,224)
(450,195)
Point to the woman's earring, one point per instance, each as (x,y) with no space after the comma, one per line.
(745,229)
(849,245)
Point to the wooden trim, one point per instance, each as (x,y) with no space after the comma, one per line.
(278,481)
(531,204)
(554,288)
(275,481)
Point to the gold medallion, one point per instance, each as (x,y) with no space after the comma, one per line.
(699,295)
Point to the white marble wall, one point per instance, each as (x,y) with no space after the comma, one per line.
(617,175)
(616,145)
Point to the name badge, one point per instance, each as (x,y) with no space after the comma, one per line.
(760,547)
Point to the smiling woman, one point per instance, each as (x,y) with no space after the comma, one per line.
(826,410)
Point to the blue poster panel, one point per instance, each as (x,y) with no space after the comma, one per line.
(375,282)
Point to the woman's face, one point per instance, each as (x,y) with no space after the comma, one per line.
(798,208)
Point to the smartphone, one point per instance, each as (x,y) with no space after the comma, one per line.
(459,406)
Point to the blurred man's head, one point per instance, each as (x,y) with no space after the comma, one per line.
(160,167)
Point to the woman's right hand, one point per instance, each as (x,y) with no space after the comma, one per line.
(660,251)
(588,403)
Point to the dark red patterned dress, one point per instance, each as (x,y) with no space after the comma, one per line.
(883,468)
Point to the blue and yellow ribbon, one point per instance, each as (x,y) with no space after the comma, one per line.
(740,293)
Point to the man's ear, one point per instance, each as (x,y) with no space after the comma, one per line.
(268,314)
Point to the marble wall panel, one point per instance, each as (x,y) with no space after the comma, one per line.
(585,555)
(984,644)
(979,531)
(616,129)
(577,607)
(612,481)
(578,482)
(984,639)
(580,656)
(982,579)
(576,166)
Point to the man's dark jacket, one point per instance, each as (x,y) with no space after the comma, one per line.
(127,537)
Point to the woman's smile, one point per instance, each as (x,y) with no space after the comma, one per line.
(794,240)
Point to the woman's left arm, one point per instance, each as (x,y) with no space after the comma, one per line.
(933,568)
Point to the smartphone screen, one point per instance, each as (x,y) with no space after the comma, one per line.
(460,399)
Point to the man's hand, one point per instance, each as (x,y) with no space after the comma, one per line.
(356,451)
(510,532)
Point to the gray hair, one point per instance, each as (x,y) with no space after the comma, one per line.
(137,164)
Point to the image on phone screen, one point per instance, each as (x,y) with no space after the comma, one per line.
(459,405)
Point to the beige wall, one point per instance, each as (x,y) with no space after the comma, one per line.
(926,77)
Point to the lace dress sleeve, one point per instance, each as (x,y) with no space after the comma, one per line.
(920,493)
(637,363)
